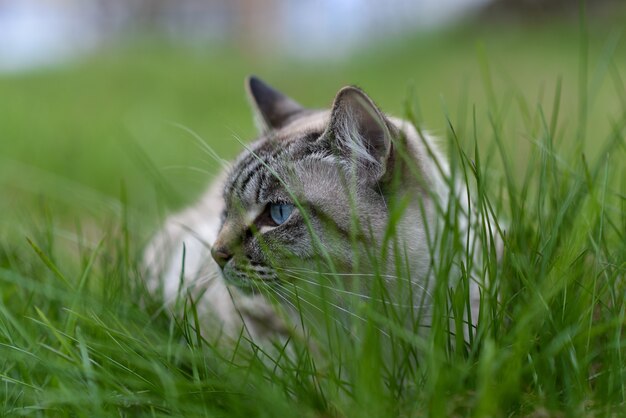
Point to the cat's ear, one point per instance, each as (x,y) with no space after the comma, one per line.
(272,108)
(359,130)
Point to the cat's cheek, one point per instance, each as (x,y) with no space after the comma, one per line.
(232,274)
(228,273)
(234,278)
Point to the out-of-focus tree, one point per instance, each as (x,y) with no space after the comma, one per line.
(258,24)
(252,23)
(535,8)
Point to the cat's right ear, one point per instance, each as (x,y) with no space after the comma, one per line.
(359,131)
(272,109)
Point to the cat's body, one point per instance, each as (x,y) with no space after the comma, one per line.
(292,199)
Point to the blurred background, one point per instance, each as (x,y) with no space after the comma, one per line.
(103,101)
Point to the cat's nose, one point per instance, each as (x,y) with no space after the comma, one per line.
(221,255)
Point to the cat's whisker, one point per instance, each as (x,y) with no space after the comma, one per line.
(202,144)
(278,290)
(301,298)
(287,301)
(341,308)
(298,270)
(280,287)
(358,295)
(325,274)
(206,279)
(188,167)
(418,286)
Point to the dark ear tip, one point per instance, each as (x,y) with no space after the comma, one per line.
(260,90)
(353,94)
(252,82)
(351,91)
(348,90)
(252,79)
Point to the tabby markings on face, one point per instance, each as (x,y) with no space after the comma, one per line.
(262,225)
(294,194)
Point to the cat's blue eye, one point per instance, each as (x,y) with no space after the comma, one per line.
(280,212)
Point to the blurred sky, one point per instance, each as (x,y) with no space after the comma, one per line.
(34,33)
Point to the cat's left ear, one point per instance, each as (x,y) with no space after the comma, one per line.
(272,108)
(360,131)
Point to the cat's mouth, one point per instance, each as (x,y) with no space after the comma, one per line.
(248,277)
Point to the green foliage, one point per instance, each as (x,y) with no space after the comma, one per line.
(81,336)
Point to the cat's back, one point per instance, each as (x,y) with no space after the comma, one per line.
(184,241)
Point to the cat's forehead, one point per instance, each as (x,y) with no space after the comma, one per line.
(255,168)
(307,122)
(303,126)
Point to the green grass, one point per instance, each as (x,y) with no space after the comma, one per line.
(536,123)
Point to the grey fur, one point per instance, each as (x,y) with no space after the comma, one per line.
(338,165)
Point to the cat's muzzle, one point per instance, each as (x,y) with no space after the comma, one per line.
(248,277)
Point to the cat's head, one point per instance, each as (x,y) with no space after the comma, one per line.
(312,188)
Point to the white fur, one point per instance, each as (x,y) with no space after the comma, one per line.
(197,227)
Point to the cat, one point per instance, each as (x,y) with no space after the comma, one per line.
(291,199)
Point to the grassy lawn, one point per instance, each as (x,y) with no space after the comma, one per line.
(93,153)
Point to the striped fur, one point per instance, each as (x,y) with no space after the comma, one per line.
(338,165)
